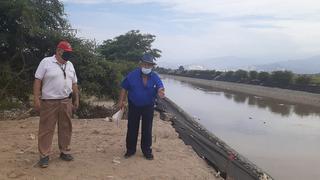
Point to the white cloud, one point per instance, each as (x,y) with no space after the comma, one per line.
(272,29)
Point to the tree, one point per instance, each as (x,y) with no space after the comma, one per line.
(129,46)
(282,78)
(228,76)
(29,30)
(263,77)
(253,75)
(303,80)
(241,75)
(181,68)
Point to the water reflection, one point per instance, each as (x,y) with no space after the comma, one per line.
(273,105)
(273,134)
(239,98)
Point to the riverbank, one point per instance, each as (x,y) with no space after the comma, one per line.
(98,147)
(275,93)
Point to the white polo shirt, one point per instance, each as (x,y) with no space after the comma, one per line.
(54,84)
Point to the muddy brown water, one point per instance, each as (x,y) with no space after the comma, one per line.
(280,137)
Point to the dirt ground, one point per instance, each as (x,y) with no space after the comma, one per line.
(98,147)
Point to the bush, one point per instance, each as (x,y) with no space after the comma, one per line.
(303,80)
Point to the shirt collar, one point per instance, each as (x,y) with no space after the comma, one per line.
(54,60)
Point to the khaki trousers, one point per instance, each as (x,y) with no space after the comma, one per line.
(54,112)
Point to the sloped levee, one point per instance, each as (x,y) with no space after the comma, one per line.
(218,154)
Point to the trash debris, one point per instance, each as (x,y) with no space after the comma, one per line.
(108,119)
(116,160)
(217,174)
(118,116)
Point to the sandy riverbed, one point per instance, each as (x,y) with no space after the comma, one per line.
(98,147)
(276,93)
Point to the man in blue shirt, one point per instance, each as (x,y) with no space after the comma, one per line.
(142,86)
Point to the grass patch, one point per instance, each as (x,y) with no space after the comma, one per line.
(6,104)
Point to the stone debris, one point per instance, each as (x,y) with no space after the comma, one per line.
(116,160)
(15,174)
(101,150)
(95,132)
(32,137)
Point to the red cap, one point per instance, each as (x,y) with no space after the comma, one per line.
(65,45)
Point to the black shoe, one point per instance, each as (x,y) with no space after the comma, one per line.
(128,154)
(44,162)
(149,156)
(66,157)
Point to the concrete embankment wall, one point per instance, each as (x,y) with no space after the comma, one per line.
(218,154)
(275,93)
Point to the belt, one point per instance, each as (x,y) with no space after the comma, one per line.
(55,99)
(69,97)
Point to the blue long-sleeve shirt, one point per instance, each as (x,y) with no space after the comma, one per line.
(138,93)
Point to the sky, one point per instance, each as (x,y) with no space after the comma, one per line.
(195,30)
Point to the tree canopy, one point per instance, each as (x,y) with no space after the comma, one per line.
(30,31)
(129,46)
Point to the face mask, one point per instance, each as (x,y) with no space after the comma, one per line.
(66,56)
(146,70)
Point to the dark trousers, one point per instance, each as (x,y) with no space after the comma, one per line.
(134,115)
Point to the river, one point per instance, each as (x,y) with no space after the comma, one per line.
(281,138)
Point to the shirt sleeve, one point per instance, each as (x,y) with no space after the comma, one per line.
(41,70)
(159,83)
(74,78)
(125,84)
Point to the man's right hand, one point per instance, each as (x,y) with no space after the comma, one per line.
(37,105)
(121,104)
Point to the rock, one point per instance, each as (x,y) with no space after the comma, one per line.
(19,151)
(15,174)
(95,132)
(101,150)
(116,160)
(27,160)
(32,137)
(166,116)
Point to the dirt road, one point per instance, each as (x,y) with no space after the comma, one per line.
(98,147)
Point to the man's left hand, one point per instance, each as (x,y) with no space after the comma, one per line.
(161,93)
(75,106)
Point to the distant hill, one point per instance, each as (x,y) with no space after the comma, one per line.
(302,66)
(222,63)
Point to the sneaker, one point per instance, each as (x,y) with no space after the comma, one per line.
(66,157)
(149,156)
(44,162)
(128,154)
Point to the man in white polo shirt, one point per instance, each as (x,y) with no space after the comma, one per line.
(54,86)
